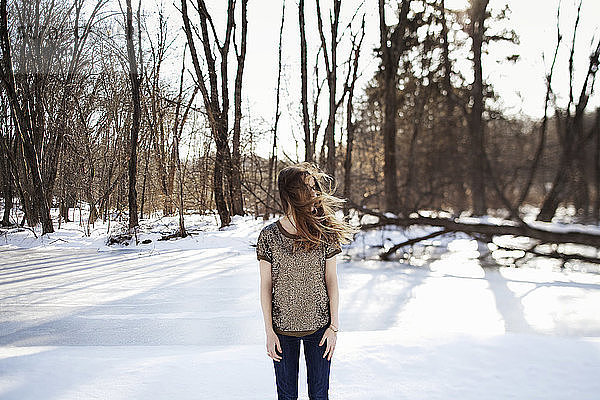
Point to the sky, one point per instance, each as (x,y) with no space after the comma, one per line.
(521,85)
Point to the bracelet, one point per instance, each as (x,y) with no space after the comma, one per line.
(335,330)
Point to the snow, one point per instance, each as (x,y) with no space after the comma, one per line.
(181,319)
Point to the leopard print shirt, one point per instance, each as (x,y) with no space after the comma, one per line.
(300,304)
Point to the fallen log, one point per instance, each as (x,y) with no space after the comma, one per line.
(572,236)
(490,230)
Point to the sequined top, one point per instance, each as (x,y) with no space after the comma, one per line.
(300,304)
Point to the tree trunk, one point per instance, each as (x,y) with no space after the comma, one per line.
(237,199)
(7,185)
(597,166)
(580,191)
(222,156)
(308,147)
(350,126)
(393,43)
(273,156)
(331,71)
(476,129)
(144,181)
(135,125)
(390,111)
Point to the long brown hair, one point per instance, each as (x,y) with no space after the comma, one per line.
(314,214)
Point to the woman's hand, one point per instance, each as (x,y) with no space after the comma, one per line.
(331,337)
(272,342)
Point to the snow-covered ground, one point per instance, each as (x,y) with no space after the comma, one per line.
(181,320)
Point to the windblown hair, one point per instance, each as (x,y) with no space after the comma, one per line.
(314,215)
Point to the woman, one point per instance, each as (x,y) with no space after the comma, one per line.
(299,289)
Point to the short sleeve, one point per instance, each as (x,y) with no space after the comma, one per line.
(331,249)
(263,248)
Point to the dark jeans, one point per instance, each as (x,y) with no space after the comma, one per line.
(317,367)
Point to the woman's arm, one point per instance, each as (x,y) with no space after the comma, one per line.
(331,282)
(266,288)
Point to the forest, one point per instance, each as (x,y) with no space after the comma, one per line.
(136,110)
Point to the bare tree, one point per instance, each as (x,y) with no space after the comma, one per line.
(235,174)
(178,125)
(330,57)
(273,157)
(135,124)
(317,88)
(451,100)
(474,106)
(308,144)
(477,16)
(81,38)
(393,42)
(28,108)
(351,86)
(217,105)
(572,135)
(158,111)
